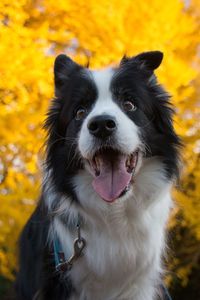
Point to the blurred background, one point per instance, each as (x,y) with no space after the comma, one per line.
(32,33)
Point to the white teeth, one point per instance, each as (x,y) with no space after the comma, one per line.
(128,161)
(131,162)
(96,165)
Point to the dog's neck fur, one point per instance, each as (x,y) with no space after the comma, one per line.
(125,240)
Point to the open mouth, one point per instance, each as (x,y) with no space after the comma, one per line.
(112,172)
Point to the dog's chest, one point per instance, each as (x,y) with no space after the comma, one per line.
(113,263)
(122,253)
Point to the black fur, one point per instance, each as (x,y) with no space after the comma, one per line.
(74,88)
(78,90)
(135,81)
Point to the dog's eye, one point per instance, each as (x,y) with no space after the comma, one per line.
(129,106)
(80,113)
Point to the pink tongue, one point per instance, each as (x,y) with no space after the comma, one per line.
(113,177)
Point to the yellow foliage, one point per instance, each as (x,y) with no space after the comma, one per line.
(32,33)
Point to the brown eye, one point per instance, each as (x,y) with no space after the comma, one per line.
(80,113)
(129,106)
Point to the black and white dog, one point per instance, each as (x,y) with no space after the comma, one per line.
(112,157)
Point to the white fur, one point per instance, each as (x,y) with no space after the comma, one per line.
(126,129)
(124,239)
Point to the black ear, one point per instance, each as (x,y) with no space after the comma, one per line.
(151,60)
(63,68)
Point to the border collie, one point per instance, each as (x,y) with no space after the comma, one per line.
(98,231)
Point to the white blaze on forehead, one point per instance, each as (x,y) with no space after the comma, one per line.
(104,103)
(102,80)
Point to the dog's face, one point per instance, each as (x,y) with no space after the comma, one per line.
(107,122)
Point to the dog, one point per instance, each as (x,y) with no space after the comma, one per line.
(112,156)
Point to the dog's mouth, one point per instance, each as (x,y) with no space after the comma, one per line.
(112,172)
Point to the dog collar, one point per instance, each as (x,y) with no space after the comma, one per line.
(61,263)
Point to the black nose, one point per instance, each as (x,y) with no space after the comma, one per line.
(102,126)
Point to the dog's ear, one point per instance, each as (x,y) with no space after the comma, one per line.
(64,66)
(150,60)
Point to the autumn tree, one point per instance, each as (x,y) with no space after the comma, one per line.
(32,34)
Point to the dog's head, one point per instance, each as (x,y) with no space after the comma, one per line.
(107,122)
